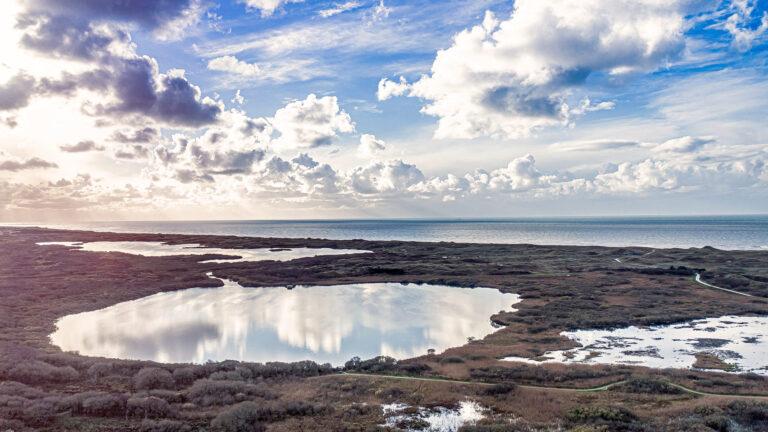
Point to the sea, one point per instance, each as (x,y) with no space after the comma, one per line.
(722,232)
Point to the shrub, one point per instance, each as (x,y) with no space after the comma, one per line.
(149,407)
(164,426)
(99,370)
(153,378)
(107,405)
(647,385)
(499,389)
(243,417)
(595,413)
(39,413)
(451,359)
(184,376)
(74,403)
(206,392)
(37,371)
(13,388)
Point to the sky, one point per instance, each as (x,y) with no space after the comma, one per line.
(291,109)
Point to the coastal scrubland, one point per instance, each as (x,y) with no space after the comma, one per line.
(562,288)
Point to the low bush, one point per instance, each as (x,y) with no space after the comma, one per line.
(605,413)
(107,405)
(647,385)
(38,372)
(153,378)
(206,392)
(149,407)
(243,417)
(499,389)
(164,426)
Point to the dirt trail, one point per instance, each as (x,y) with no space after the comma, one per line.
(564,389)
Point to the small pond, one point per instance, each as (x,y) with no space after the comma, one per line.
(157,249)
(327,324)
(741,343)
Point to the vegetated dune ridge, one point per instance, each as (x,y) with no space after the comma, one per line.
(563,288)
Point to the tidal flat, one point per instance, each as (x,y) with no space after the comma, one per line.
(561,289)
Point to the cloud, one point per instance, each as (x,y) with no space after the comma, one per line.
(81,147)
(686,144)
(238,98)
(267,7)
(370,145)
(231,64)
(33,163)
(508,78)
(168,19)
(595,145)
(231,148)
(131,82)
(132,152)
(312,122)
(394,176)
(388,89)
(144,135)
(739,25)
(16,92)
(339,8)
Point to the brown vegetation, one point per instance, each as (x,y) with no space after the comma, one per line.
(563,288)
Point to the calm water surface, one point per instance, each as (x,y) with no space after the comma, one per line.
(325,324)
(724,232)
(741,342)
(158,249)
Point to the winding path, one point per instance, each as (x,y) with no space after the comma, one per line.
(698,280)
(534,387)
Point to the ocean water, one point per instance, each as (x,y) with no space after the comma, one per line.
(722,232)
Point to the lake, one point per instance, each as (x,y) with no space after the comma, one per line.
(328,324)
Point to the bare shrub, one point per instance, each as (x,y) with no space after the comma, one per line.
(243,417)
(98,371)
(107,405)
(149,407)
(184,376)
(36,371)
(206,392)
(164,426)
(153,378)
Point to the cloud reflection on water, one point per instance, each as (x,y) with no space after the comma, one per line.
(325,323)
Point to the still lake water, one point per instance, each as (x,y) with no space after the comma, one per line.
(723,232)
(328,324)
(158,249)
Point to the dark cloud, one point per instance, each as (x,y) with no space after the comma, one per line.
(33,163)
(16,92)
(226,162)
(514,100)
(145,135)
(68,37)
(151,14)
(131,152)
(134,81)
(81,147)
(179,103)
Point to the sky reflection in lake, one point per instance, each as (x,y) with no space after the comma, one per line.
(156,249)
(325,324)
